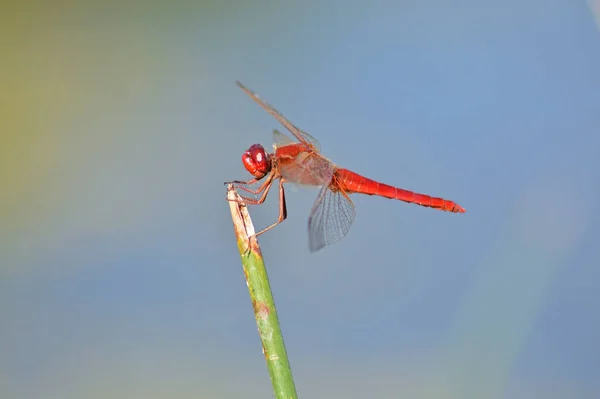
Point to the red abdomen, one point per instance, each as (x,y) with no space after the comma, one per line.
(352,182)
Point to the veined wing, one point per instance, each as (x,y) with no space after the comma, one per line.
(303,168)
(280,139)
(315,143)
(330,218)
(300,135)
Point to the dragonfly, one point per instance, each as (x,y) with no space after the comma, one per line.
(300,162)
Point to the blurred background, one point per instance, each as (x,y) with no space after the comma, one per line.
(119,272)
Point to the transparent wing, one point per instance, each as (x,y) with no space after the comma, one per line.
(280,139)
(330,218)
(306,169)
(315,143)
(300,135)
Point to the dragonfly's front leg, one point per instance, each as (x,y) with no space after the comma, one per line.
(265,187)
(263,190)
(240,184)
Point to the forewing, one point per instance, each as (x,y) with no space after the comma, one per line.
(307,169)
(330,218)
(281,139)
(311,140)
(300,135)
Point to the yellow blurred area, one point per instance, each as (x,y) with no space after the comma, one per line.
(68,76)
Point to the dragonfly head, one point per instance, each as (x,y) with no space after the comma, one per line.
(256,161)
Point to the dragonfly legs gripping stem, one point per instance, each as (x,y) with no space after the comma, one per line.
(263,190)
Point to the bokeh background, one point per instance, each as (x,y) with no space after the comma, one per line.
(119,272)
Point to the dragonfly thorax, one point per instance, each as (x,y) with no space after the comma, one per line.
(256,161)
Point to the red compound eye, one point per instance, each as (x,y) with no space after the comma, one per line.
(256,161)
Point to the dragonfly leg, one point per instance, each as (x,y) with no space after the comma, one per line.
(251,181)
(240,184)
(282,209)
(265,187)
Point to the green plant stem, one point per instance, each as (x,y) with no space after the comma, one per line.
(262,300)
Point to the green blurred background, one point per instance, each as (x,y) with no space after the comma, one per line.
(119,122)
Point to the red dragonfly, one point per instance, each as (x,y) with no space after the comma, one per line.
(301,162)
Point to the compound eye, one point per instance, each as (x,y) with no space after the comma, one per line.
(256,161)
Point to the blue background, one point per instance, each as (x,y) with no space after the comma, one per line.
(119,272)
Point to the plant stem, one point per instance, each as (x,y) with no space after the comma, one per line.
(262,299)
